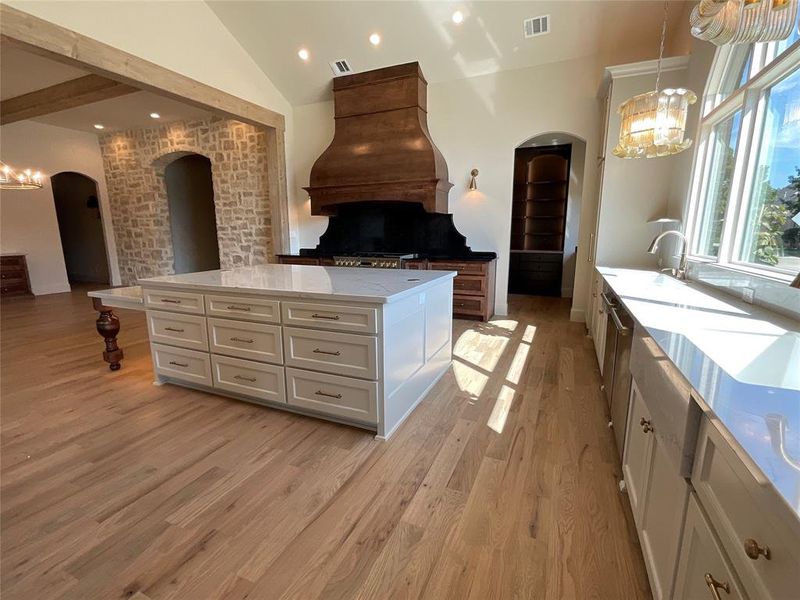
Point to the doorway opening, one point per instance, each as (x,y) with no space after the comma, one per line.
(80,226)
(193,220)
(545,216)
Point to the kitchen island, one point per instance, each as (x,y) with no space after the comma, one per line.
(356,346)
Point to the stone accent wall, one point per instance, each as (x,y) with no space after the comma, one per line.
(134,164)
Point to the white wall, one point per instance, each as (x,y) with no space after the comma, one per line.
(477,123)
(28,223)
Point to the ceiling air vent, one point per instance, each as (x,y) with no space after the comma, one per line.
(340,67)
(536,26)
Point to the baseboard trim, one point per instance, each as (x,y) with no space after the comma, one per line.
(577,315)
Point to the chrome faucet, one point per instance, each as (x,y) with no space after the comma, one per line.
(680,272)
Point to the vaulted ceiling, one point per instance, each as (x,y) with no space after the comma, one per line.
(489,39)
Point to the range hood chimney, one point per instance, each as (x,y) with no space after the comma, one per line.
(381,149)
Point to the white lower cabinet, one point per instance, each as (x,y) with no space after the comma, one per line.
(658,496)
(599,319)
(704,572)
(637,459)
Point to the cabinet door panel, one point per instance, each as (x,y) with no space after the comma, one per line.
(701,557)
(638,454)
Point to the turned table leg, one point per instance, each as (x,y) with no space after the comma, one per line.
(108,327)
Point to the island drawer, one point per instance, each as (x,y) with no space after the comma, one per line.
(248,309)
(745,510)
(255,341)
(186,331)
(332,352)
(179,363)
(184,302)
(353,319)
(257,380)
(466,267)
(352,399)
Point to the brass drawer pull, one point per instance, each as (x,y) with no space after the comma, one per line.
(321,393)
(243,378)
(234,307)
(754,550)
(647,426)
(333,318)
(715,585)
(318,351)
(175,329)
(171,300)
(177,364)
(243,340)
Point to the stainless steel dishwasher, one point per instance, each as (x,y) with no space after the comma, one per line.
(616,364)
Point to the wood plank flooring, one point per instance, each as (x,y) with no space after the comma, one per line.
(502,484)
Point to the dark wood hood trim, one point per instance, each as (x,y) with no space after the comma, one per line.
(381,149)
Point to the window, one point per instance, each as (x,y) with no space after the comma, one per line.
(745,205)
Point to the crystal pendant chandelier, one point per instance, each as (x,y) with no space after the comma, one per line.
(743,21)
(653,124)
(22,180)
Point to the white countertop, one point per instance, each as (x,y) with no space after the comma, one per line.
(742,361)
(303,281)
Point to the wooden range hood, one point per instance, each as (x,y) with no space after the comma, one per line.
(381,148)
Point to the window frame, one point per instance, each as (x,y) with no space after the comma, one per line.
(751,98)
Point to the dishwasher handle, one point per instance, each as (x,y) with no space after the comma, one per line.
(621,329)
(610,304)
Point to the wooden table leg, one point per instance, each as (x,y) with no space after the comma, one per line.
(108,327)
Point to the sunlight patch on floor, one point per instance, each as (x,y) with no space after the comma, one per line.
(502,406)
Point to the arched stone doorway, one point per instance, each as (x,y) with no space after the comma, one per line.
(192,215)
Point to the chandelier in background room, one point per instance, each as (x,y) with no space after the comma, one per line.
(653,124)
(11,179)
(743,21)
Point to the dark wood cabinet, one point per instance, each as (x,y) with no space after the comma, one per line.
(299,260)
(538,219)
(473,287)
(14,276)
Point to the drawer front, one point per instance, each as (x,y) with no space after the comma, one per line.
(463,267)
(468,305)
(330,394)
(186,331)
(744,510)
(17,261)
(184,302)
(179,363)
(701,561)
(254,341)
(338,353)
(470,285)
(257,380)
(12,276)
(247,309)
(14,289)
(355,319)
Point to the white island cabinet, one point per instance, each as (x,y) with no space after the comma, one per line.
(359,346)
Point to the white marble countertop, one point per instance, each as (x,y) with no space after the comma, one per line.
(742,361)
(304,281)
(120,297)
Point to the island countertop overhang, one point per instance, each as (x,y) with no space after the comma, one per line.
(344,284)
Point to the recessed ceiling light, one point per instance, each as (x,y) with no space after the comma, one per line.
(155,116)
(98,126)
(303,54)
(458,17)
(375,39)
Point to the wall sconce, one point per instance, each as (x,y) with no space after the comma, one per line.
(473,185)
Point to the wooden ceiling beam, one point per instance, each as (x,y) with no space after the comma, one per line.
(69,94)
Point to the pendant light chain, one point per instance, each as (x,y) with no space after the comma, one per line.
(661,47)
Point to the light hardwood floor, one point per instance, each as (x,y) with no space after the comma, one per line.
(502,484)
